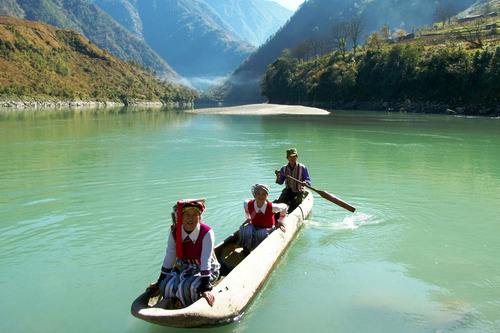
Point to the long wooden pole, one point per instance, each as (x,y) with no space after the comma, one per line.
(328,196)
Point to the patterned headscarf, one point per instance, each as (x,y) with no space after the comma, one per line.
(180,207)
(258,187)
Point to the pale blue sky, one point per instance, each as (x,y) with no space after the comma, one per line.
(290,4)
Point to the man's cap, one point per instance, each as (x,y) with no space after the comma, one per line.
(291,152)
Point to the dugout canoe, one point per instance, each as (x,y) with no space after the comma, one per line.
(241,278)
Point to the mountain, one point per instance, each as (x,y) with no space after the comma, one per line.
(95,24)
(315,19)
(10,8)
(124,12)
(188,34)
(38,61)
(481,7)
(252,20)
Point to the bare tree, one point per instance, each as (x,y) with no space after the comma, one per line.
(355,25)
(340,33)
(385,32)
(471,32)
(319,46)
(302,51)
(310,49)
(444,11)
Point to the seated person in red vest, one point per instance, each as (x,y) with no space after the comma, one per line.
(260,217)
(190,264)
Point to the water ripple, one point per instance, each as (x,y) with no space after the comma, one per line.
(38,202)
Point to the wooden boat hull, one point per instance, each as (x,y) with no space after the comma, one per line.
(236,290)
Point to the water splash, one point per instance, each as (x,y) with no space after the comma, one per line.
(350,222)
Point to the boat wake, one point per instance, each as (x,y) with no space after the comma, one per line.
(350,222)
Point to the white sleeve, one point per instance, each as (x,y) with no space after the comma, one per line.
(280,208)
(170,256)
(245,207)
(206,251)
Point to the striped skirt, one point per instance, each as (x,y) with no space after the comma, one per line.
(251,237)
(183,282)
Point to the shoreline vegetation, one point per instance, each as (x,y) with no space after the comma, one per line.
(43,66)
(56,104)
(451,68)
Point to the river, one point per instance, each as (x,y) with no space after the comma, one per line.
(86,196)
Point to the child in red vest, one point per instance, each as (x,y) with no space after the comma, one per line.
(260,218)
(190,264)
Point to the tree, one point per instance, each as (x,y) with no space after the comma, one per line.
(310,48)
(444,11)
(276,83)
(354,27)
(340,33)
(385,32)
(302,51)
(374,41)
(319,46)
(471,32)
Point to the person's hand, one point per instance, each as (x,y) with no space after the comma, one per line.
(281,226)
(153,289)
(209,297)
(277,173)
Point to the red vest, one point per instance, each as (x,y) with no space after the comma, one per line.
(261,220)
(192,251)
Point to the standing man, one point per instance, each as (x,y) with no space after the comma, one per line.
(293,194)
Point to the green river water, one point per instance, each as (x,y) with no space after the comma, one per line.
(85,201)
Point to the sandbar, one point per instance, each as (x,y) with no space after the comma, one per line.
(262,110)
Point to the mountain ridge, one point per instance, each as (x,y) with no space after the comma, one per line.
(252,20)
(204,40)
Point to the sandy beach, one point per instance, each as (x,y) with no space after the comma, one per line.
(262,110)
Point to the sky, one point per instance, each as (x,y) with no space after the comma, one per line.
(290,4)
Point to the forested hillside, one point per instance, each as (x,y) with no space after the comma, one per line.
(323,19)
(95,24)
(453,67)
(41,62)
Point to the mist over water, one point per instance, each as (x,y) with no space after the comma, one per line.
(203,83)
(86,199)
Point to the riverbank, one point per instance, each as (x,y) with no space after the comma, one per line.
(414,107)
(263,110)
(32,104)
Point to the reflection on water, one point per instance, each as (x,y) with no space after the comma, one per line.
(86,198)
(83,113)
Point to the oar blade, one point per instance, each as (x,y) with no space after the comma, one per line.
(330,197)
